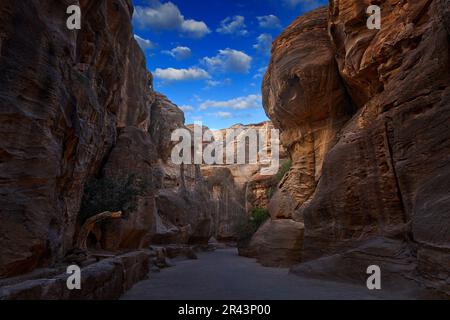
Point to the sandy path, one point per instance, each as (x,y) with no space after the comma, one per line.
(223,275)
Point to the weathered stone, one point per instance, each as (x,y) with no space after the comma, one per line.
(134,154)
(306,99)
(62,94)
(384,172)
(277,243)
(105,280)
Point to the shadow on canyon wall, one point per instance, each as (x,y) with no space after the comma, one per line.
(364,118)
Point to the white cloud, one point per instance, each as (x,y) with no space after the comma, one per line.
(216,83)
(145,44)
(240,103)
(228,60)
(187,108)
(179,53)
(171,74)
(166,16)
(224,115)
(195,29)
(269,22)
(212,83)
(264,43)
(233,25)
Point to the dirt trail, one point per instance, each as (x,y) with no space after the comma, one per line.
(223,275)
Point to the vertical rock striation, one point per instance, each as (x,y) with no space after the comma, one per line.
(364,115)
(62,95)
(73,105)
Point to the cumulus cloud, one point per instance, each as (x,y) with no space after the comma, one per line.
(240,103)
(179,53)
(264,43)
(233,25)
(171,74)
(216,83)
(228,60)
(269,22)
(145,44)
(166,16)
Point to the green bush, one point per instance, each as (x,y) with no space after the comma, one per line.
(111,194)
(271,192)
(285,167)
(246,226)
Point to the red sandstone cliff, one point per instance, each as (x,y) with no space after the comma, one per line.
(365,117)
(78,104)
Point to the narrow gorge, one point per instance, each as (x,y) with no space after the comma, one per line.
(364,175)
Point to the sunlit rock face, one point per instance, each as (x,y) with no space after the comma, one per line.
(305,97)
(74,105)
(237,189)
(364,115)
(62,94)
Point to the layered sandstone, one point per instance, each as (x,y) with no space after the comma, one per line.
(236,189)
(63,93)
(77,105)
(364,116)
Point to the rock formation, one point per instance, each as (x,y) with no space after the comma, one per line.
(238,188)
(76,105)
(364,116)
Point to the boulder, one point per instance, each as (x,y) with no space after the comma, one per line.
(277,243)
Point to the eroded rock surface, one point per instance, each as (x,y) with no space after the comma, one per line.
(364,115)
(62,95)
(77,105)
(277,243)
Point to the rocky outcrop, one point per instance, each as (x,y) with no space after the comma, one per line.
(364,116)
(228,201)
(76,105)
(133,154)
(62,95)
(277,243)
(104,280)
(166,117)
(236,189)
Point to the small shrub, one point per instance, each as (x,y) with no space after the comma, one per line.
(271,192)
(259,216)
(285,167)
(111,194)
(246,227)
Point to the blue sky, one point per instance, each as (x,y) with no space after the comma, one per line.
(208,56)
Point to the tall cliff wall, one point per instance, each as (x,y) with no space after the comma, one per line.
(79,104)
(364,115)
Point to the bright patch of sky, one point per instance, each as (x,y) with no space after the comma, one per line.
(209,57)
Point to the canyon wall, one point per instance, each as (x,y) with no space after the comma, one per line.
(76,105)
(237,189)
(364,115)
